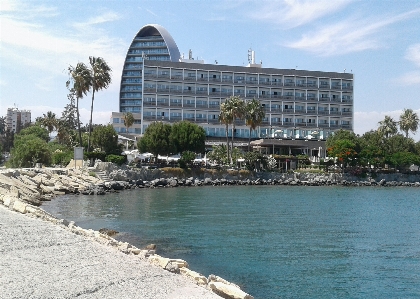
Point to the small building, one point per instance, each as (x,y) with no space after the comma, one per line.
(16,119)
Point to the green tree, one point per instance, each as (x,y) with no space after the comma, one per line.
(100,78)
(156,140)
(187,136)
(28,150)
(69,114)
(187,158)
(2,125)
(343,134)
(345,151)
(49,121)
(79,83)
(218,154)
(388,126)
(254,160)
(35,130)
(404,159)
(236,106)
(254,115)
(409,121)
(106,138)
(128,120)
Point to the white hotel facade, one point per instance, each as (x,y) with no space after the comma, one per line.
(158,85)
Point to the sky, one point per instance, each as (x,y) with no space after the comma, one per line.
(376,40)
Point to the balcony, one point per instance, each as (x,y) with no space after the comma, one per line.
(213,120)
(324,99)
(211,79)
(323,125)
(336,99)
(176,77)
(176,104)
(176,90)
(347,87)
(300,110)
(162,104)
(163,90)
(300,98)
(149,75)
(289,110)
(214,106)
(323,112)
(336,86)
(265,82)
(335,112)
(289,83)
(150,89)
(190,105)
(203,79)
(165,76)
(149,117)
(345,126)
(189,118)
(346,113)
(264,95)
(175,118)
(347,101)
(287,97)
(149,104)
(203,105)
(312,99)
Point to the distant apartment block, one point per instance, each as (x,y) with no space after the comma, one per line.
(158,84)
(16,119)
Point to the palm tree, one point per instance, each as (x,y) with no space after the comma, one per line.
(236,106)
(79,83)
(128,120)
(388,126)
(409,121)
(49,121)
(100,79)
(254,115)
(225,117)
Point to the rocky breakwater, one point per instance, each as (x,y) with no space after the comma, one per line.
(35,185)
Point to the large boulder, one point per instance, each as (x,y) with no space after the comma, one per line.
(228,290)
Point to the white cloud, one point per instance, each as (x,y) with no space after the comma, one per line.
(37,46)
(413,54)
(409,78)
(151,12)
(351,35)
(104,18)
(294,13)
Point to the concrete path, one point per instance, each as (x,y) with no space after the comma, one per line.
(41,260)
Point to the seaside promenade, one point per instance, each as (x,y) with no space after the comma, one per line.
(39,259)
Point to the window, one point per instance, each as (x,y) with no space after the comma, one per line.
(116,120)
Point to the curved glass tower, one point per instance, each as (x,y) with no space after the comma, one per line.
(152,42)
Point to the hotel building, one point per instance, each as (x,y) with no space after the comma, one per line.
(158,84)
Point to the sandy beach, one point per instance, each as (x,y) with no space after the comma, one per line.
(42,260)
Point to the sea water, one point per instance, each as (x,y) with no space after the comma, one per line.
(273,241)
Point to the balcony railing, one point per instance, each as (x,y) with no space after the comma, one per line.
(324,99)
(323,112)
(288,110)
(149,104)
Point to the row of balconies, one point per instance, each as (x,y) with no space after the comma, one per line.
(219,93)
(262,81)
(272,122)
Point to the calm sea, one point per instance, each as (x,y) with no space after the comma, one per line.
(274,241)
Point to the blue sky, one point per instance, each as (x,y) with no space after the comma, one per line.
(378,41)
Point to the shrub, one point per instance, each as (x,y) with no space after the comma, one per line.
(62,158)
(95,155)
(117,159)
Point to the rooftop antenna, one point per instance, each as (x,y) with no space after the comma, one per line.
(251,56)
